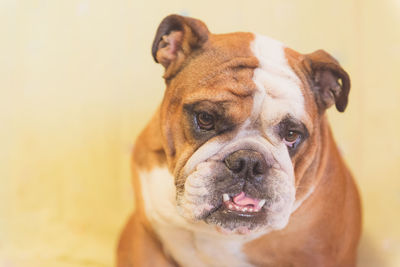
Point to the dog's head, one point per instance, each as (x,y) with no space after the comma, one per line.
(241,120)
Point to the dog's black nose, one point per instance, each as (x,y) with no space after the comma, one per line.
(247,163)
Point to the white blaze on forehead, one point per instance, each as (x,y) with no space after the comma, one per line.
(278,86)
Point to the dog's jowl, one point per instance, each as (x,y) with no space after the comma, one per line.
(238,166)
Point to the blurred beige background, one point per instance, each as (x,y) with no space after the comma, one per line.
(78,83)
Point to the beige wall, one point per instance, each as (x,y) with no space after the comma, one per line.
(78,83)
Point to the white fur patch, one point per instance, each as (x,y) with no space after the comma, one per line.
(189,243)
(203,153)
(276,81)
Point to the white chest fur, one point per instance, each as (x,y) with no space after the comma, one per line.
(190,244)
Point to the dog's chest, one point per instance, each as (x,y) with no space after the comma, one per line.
(199,249)
(188,244)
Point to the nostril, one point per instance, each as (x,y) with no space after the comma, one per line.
(259,168)
(241,164)
(235,165)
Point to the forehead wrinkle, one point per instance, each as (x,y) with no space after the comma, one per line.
(214,96)
(282,95)
(220,70)
(237,83)
(230,65)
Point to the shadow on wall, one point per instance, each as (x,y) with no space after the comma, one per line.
(369,254)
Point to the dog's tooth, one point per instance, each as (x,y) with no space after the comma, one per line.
(244,209)
(251,210)
(230,206)
(226,197)
(261,203)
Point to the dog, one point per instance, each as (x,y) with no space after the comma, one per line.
(238,166)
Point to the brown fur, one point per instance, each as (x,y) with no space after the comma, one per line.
(323,231)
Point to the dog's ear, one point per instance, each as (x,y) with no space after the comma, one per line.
(329,81)
(176,38)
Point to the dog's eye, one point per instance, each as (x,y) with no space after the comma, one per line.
(205,121)
(292,138)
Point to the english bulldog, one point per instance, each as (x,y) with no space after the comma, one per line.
(238,166)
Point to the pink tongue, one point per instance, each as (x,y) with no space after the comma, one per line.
(242,200)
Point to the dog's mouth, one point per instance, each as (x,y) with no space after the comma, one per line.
(242,204)
(239,211)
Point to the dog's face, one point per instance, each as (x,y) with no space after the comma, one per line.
(240,122)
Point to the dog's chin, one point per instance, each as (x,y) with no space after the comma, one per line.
(227,221)
(237,222)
